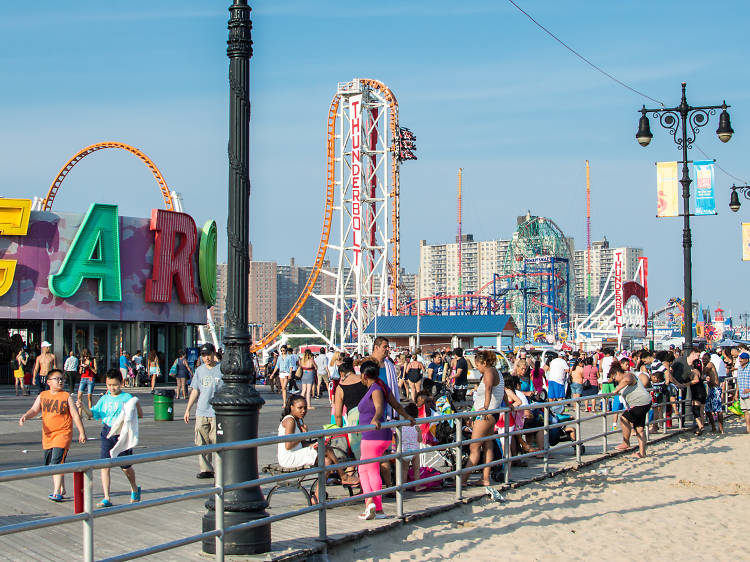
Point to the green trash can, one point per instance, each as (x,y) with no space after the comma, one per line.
(164,405)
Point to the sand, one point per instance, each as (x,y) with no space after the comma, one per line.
(689,499)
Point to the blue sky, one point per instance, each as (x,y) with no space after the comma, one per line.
(480,86)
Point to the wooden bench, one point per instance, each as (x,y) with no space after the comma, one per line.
(298,482)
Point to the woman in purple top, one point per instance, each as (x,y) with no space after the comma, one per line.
(376,441)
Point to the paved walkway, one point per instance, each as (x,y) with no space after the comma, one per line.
(292,539)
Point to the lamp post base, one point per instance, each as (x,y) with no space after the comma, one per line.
(256,540)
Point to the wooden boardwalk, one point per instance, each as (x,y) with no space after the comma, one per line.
(292,539)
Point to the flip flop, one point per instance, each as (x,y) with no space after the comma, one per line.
(55,497)
(637,456)
(622,447)
(135,497)
(104,503)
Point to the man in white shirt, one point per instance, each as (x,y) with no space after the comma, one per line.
(558,369)
(321,363)
(606,364)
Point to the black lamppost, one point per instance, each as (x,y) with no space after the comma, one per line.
(734,200)
(238,404)
(677,120)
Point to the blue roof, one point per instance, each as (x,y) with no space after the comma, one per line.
(465,324)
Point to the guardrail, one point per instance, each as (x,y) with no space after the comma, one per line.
(89,515)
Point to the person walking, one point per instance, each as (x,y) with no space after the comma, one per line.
(44,363)
(88,373)
(206,381)
(70,367)
(108,409)
(154,370)
(19,373)
(124,366)
(283,368)
(308,371)
(59,414)
(321,363)
(182,372)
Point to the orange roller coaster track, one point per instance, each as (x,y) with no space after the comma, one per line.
(324,236)
(65,170)
(329,208)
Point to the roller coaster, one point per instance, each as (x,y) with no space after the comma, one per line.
(365,147)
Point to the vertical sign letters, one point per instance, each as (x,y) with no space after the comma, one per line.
(94,254)
(175,239)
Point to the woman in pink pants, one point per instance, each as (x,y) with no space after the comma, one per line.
(374,442)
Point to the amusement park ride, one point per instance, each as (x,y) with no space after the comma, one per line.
(361,238)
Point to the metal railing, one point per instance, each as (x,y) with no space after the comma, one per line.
(89,514)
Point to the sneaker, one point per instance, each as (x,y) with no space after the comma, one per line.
(204,474)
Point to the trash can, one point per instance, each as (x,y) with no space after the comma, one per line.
(164,405)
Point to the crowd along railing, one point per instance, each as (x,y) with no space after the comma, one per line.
(90,514)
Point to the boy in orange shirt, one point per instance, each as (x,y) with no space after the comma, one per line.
(59,413)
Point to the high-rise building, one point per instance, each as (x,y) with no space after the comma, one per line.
(262,295)
(480,261)
(290,281)
(219,308)
(602,256)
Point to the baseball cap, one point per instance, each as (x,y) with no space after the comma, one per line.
(208,348)
(744,355)
(46,344)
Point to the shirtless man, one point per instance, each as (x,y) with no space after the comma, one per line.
(43,365)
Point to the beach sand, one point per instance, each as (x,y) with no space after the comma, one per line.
(690,499)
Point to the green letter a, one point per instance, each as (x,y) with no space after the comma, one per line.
(94,254)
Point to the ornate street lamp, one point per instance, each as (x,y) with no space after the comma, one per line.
(238,404)
(734,200)
(677,120)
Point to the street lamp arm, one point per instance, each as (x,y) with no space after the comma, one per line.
(694,118)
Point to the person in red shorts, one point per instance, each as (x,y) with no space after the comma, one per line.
(59,413)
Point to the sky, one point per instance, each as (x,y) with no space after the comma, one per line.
(480,86)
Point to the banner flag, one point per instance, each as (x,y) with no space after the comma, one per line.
(666,189)
(746,241)
(704,187)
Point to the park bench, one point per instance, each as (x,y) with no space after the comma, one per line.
(298,482)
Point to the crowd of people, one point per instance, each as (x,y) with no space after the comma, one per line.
(644,389)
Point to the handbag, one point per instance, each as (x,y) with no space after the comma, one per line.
(586,384)
(298,374)
(173,369)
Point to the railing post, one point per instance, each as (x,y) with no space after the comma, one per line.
(579,436)
(219,503)
(681,410)
(322,530)
(506,447)
(400,474)
(459,458)
(546,438)
(605,425)
(88,523)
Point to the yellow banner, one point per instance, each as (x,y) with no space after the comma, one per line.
(746,241)
(666,189)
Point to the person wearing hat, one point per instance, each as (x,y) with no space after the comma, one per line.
(743,387)
(43,365)
(206,381)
